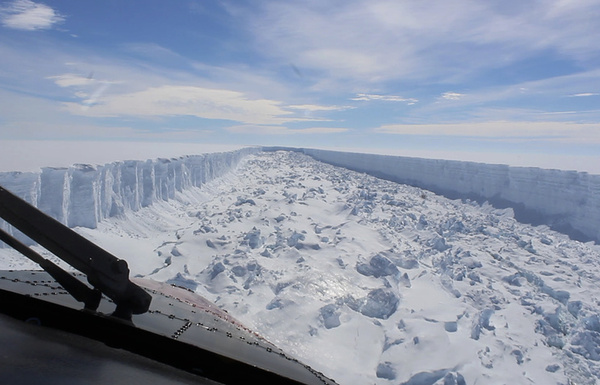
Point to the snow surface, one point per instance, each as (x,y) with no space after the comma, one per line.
(568,201)
(83,194)
(367,280)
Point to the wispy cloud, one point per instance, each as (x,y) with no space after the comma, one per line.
(320,130)
(562,131)
(29,16)
(86,87)
(384,98)
(452,95)
(316,107)
(72,80)
(382,40)
(172,100)
(584,94)
(282,130)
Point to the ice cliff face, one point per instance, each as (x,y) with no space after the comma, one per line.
(567,201)
(83,195)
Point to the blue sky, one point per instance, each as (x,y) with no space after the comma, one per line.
(462,76)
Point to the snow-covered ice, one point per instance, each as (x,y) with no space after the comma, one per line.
(371,281)
(568,201)
(84,194)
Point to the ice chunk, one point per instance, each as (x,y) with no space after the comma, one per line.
(449,286)
(243,201)
(276,303)
(330,316)
(587,344)
(379,303)
(253,238)
(592,323)
(280,218)
(379,266)
(295,238)
(175,252)
(561,296)
(451,326)
(426,378)
(518,355)
(574,308)
(217,269)
(408,263)
(483,321)
(386,371)
(405,280)
(439,244)
(308,246)
(239,271)
(211,244)
(556,341)
(516,279)
(454,379)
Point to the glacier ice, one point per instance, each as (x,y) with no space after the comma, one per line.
(379,303)
(435,272)
(427,378)
(567,201)
(83,195)
(330,316)
(386,370)
(378,266)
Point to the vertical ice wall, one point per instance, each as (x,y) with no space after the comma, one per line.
(83,195)
(567,201)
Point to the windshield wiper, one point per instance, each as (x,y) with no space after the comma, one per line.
(79,290)
(108,274)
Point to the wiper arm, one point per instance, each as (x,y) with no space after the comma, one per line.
(79,290)
(104,271)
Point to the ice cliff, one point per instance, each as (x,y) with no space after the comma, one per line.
(83,195)
(567,201)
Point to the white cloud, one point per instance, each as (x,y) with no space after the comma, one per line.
(381,40)
(385,98)
(555,88)
(583,94)
(561,131)
(282,130)
(71,80)
(29,16)
(320,130)
(171,100)
(316,107)
(87,88)
(452,95)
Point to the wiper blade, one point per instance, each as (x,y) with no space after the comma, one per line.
(79,290)
(104,271)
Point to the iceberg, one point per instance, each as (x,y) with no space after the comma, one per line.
(84,195)
(566,201)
